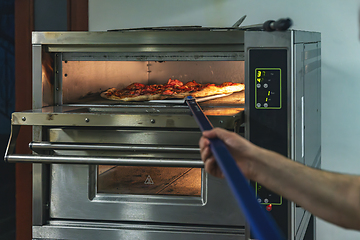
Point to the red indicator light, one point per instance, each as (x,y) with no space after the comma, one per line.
(269,207)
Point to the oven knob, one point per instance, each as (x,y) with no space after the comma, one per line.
(87,120)
(152,120)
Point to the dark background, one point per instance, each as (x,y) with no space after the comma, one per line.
(51,16)
(26,16)
(7,105)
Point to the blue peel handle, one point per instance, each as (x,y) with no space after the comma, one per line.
(261,223)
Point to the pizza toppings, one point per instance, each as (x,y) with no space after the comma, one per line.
(174,82)
(167,92)
(172,89)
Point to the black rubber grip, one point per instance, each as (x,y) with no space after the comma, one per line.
(268,26)
(279,25)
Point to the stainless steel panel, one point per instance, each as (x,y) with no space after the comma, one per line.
(298,126)
(42,95)
(299,214)
(40,89)
(142,42)
(307,100)
(298,110)
(51,117)
(139,137)
(37,89)
(306,37)
(265,40)
(132,144)
(120,116)
(160,38)
(312,103)
(40,202)
(304,223)
(94,231)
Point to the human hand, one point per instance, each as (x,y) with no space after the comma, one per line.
(240,148)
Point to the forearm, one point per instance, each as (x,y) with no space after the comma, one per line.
(330,196)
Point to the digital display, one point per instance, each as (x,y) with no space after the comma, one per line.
(268,88)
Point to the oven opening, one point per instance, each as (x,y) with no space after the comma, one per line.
(149,180)
(83,81)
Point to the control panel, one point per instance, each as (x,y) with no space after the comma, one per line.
(268,118)
(266,197)
(268,88)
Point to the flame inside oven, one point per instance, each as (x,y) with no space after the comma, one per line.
(47,67)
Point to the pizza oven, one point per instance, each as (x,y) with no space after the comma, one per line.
(105,169)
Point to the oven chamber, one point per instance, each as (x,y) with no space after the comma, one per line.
(111,170)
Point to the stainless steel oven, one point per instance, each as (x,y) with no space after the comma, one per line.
(112,170)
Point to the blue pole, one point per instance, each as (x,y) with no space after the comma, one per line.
(261,223)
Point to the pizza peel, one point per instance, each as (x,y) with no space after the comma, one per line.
(261,223)
(182,100)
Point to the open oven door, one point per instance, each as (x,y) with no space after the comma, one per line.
(104,168)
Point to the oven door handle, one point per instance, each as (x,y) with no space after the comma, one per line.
(124,161)
(39,147)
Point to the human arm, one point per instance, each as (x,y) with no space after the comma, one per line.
(331,196)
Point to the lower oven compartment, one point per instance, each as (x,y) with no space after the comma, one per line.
(115,171)
(152,194)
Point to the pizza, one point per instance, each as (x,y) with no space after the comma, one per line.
(172,89)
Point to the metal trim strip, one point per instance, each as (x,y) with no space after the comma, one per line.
(139,37)
(113,54)
(196,163)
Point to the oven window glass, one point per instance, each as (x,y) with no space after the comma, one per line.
(149,180)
